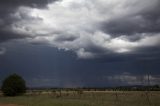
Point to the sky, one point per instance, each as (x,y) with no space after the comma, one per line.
(80,43)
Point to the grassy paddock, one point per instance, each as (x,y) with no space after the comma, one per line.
(85,98)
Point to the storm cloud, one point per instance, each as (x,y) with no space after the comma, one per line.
(8,7)
(88,26)
(80,42)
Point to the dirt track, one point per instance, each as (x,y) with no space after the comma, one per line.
(9,105)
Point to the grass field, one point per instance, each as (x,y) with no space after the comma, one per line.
(87,98)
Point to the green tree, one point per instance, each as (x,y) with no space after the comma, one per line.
(13,85)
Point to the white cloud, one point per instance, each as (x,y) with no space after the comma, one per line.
(130,79)
(74,25)
(84,54)
(2,51)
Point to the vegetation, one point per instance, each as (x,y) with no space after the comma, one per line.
(87,98)
(116,96)
(13,85)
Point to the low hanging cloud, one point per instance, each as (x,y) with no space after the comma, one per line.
(127,78)
(91,28)
(2,50)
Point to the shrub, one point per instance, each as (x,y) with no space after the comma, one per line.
(13,85)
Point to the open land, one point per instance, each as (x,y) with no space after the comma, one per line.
(84,98)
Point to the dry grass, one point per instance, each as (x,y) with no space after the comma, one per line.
(87,98)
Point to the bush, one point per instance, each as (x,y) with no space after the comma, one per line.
(13,85)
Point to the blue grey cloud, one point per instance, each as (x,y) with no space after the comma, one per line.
(82,25)
(80,43)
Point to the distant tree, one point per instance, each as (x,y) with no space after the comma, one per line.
(13,85)
(156,86)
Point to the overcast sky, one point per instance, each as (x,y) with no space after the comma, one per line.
(71,43)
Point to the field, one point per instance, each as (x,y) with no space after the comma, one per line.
(84,98)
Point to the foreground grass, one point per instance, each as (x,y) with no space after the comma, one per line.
(108,98)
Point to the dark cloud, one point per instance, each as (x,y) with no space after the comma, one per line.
(145,21)
(8,4)
(114,41)
(7,35)
(8,7)
(65,37)
(42,65)
(127,27)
